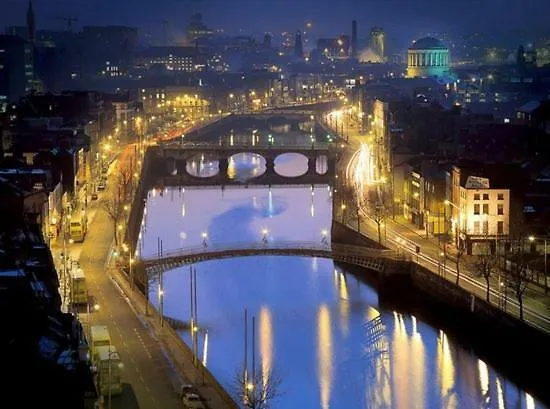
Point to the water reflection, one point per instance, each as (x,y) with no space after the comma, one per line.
(244,166)
(266,343)
(324,354)
(313,315)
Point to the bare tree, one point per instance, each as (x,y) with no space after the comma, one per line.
(485,266)
(379,216)
(125,180)
(256,392)
(519,273)
(113,206)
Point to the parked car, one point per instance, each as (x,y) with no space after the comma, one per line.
(94,196)
(192,401)
(101,185)
(188,388)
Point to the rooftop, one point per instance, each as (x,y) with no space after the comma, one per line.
(428,43)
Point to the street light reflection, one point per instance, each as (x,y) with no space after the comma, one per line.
(324,354)
(266,344)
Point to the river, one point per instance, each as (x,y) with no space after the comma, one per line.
(313,320)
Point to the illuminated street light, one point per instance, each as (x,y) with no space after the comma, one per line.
(204,236)
(264,235)
(324,234)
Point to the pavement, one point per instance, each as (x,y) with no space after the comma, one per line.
(156,361)
(403,237)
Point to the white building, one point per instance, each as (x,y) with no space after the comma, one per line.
(427,57)
(480,213)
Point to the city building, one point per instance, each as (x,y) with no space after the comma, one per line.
(427,57)
(16,68)
(334,48)
(481,210)
(377,43)
(176,59)
(298,46)
(31,24)
(197,29)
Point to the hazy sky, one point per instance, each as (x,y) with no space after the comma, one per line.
(402,19)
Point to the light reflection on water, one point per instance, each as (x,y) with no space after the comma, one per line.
(312,316)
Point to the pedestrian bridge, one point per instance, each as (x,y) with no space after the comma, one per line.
(372,258)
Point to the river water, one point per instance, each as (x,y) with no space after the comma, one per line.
(313,320)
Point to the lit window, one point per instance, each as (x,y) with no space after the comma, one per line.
(485,209)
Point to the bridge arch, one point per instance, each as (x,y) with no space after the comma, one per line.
(371,258)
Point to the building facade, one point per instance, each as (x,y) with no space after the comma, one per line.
(427,57)
(480,213)
(16,68)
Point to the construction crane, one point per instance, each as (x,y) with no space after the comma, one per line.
(68,20)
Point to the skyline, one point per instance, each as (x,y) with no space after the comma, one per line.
(416,18)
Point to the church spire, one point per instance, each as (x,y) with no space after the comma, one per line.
(31,26)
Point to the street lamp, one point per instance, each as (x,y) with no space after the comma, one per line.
(204,236)
(457,230)
(324,234)
(161,304)
(265,231)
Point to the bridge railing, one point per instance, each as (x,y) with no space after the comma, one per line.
(307,246)
(239,246)
(318,145)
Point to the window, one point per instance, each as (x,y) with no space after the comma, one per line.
(500,196)
(485,196)
(476,196)
(486,208)
(500,209)
(476,227)
(500,227)
(476,209)
(485,227)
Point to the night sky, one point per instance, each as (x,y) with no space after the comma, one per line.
(402,19)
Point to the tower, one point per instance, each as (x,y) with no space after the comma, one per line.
(377,42)
(267,40)
(353,39)
(31,25)
(298,47)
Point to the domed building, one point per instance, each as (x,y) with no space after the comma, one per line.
(427,57)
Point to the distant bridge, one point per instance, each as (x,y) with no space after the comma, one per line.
(371,258)
(173,158)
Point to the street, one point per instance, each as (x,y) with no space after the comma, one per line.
(149,380)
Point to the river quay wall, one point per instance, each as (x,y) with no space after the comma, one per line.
(514,348)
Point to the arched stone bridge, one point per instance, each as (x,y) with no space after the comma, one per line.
(371,258)
(174,157)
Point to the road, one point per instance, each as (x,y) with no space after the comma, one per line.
(150,381)
(403,237)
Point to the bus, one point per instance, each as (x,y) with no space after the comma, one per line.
(99,337)
(79,290)
(108,365)
(78,227)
